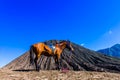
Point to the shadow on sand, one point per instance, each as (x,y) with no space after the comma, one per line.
(24,70)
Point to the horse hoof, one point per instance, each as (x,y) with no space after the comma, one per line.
(37,70)
(64,70)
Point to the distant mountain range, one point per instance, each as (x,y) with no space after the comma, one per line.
(112,51)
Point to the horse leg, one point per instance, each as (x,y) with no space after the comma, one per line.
(58,62)
(36,64)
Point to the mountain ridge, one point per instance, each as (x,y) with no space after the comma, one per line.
(112,51)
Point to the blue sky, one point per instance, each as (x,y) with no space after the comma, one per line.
(95,24)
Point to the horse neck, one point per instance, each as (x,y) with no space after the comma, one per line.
(63,45)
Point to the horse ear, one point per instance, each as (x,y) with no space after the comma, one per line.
(57,42)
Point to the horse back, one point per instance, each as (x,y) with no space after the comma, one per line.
(40,47)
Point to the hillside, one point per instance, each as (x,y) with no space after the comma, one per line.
(81,60)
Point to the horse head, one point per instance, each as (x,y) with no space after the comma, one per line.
(68,45)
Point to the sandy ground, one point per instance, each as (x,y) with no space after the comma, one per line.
(57,75)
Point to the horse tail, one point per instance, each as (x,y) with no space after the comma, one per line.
(31,55)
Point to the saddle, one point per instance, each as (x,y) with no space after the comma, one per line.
(51,46)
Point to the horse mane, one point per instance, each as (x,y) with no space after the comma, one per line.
(62,41)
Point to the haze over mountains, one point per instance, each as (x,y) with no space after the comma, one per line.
(112,51)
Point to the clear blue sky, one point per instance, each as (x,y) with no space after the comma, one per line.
(95,24)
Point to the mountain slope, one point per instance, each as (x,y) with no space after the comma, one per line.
(112,51)
(82,59)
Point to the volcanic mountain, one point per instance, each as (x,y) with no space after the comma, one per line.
(81,59)
(112,51)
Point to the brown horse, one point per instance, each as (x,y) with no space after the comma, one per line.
(59,47)
(39,49)
(42,49)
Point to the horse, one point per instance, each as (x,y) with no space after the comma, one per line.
(59,47)
(42,49)
(39,49)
